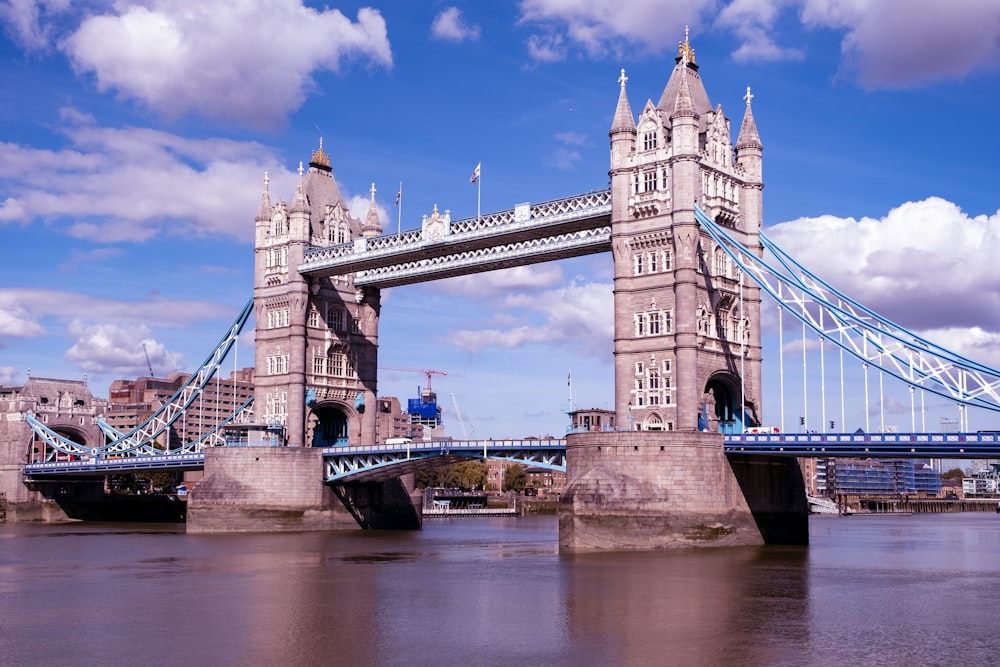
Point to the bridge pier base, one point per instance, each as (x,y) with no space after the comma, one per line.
(645,490)
(256,489)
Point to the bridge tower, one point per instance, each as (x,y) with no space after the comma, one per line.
(687,337)
(316,338)
(687,344)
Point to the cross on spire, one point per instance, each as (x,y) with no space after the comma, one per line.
(749,96)
(622,79)
(301,170)
(373,190)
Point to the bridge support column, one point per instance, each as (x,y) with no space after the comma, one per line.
(644,490)
(255,489)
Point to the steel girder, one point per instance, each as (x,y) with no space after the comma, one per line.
(858,330)
(381,462)
(141,440)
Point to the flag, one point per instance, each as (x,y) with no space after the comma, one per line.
(569,379)
(399,193)
(475,174)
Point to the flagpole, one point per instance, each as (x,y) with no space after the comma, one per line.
(399,212)
(479,193)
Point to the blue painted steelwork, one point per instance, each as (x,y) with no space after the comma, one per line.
(141,440)
(859,331)
(381,462)
(107,466)
(868,445)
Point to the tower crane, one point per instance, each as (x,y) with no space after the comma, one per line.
(427,371)
(148,363)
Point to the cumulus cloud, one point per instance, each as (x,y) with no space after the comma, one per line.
(882,46)
(115,349)
(520,279)
(29,22)
(600,27)
(248,62)
(8,375)
(450,26)
(134,183)
(931,40)
(574,316)
(926,265)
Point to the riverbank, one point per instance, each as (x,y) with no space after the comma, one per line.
(919,505)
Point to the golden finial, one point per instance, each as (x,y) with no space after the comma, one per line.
(319,158)
(684,48)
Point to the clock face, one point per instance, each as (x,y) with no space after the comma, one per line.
(435,232)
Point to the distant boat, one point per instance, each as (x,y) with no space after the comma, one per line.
(826,506)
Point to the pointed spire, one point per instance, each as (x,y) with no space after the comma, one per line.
(372,226)
(683,104)
(299,201)
(264,210)
(623,121)
(748,137)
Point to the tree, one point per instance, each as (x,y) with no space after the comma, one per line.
(466,475)
(515,478)
(954,473)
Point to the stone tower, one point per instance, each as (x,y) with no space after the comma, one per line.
(316,338)
(687,336)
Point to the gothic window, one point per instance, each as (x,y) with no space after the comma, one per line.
(667,260)
(314,318)
(649,140)
(640,324)
(277,364)
(666,367)
(654,379)
(279,224)
(335,319)
(336,365)
(319,365)
(654,398)
(652,261)
(640,368)
(355,325)
(638,264)
(649,180)
(337,233)
(668,324)
(720,262)
(654,324)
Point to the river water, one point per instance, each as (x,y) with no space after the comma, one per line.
(869,590)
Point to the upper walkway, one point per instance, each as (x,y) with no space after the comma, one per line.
(525,234)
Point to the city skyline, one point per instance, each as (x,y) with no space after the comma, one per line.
(129,178)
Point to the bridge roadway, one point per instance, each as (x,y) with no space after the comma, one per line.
(380,462)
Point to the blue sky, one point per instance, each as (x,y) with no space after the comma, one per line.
(134,137)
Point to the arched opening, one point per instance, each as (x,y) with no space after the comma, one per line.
(329,426)
(654,423)
(726,391)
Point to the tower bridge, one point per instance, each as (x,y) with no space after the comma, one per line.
(682,218)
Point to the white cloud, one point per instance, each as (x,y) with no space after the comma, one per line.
(248,62)
(926,265)
(449,25)
(600,27)
(576,316)
(928,41)
(115,349)
(519,279)
(16,321)
(134,183)
(29,22)
(8,375)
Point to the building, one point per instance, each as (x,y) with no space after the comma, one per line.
(882,477)
(131,402)
(592,419)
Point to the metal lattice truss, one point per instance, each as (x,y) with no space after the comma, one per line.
(861,332)
(381,462)
(525,234)
(141,441)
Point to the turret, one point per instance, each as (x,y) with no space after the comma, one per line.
(372,226)
(749,157)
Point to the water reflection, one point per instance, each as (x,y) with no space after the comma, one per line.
(869,590)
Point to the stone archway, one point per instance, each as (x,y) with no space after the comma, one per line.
(726,390)
(328,423)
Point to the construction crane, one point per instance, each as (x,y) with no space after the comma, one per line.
(427,371)
(148,363)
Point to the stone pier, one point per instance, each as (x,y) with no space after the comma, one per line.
(643,490)
(255,489)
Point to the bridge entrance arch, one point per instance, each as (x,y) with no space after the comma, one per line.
(724,391)
(329,424)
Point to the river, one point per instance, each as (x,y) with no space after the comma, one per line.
(869,590)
